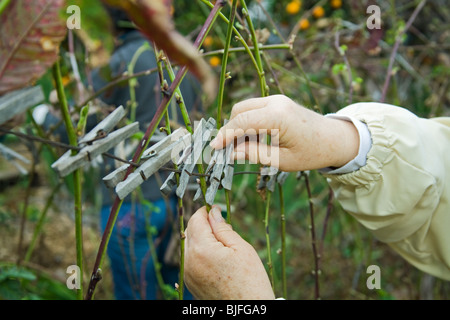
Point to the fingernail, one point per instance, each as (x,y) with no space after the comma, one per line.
(217,214)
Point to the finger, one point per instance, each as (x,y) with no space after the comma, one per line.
(249,104)
(258,153)
(198,228)
(222,230)
(251,122)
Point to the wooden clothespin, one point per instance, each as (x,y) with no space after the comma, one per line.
(16,102)
(152,160)
(201,136)
(282,176)
(98,141)
(12,156)
(228,171)
(221,167)
(118,175)
(216,176)
(268,178)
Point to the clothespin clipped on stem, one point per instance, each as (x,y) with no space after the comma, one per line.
(202,135)
(221,172)
(98,141)
(152,160)
(268,178)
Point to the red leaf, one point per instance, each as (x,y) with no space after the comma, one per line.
(32,31)
(154,20)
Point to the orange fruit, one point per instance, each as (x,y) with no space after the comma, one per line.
(215,61)
(318,12)
(336,4)
(303,24)
(293,7)
(208,41)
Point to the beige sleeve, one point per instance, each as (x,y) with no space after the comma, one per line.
(402,194)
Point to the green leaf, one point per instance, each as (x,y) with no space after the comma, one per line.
(83,120)
(15,272)
(338,68)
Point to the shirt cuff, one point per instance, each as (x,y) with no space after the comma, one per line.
(365,143)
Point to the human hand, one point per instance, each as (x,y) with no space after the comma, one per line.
(219,264)
(301,139)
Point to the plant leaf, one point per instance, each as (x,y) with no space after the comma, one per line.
(32,31)
(153,18)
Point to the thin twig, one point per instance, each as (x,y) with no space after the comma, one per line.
(223,71)
(316,255)
(327,217)
(347,65)
(398,40)
(124,78)
(290,43)
(73,62)
(267,47)
(283,242)
(40,223)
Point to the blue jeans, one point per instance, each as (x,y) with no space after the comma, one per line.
(132,264)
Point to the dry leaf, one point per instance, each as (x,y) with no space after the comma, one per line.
(32,31)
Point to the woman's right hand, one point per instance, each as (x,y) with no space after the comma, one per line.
(300,138)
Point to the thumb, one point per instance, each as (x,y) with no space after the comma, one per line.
(222,230)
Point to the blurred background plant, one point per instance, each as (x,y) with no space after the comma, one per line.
(329,59)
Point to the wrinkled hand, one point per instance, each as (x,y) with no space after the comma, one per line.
(301,139)
(219,264)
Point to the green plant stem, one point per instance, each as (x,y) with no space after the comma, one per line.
(269,253)
(238,35)
(182,245)
(262,79)
(40,223)
(77,175)
(223,77)
(313,99)
(227,200)
(314,241)
(223,72)
(132,82)
(3,5)
(281,46)
(179,99)
(160,57)
(283,241)
(26,201)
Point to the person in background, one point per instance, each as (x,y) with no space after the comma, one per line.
(388,168)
